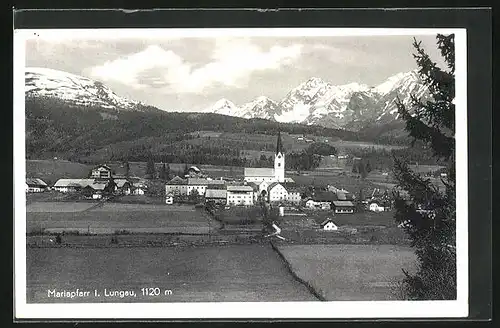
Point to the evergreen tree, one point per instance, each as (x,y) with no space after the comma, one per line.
(368,167)
(127,169)
(163,172)
(150,168)
(186,170)
(429,213)
(167,172)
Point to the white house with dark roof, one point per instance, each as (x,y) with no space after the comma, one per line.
(35,185)
(176,186)
(276,192)
(240,195)
(101,172)
(343,206)
(217,196)
(328,225)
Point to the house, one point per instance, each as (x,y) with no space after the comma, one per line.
(239,195)
(194,172)
(324,199)
(177,186)
(169,199)
(312,204)
(216,196)
(123,186)
(93,190)
(276,192)
(198,185)
(375,207)
(72,185)
(139,188)
(327,224)
(101,172)
(294,195)
(343,206)
(35,185)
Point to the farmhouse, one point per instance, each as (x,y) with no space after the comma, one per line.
(294,195)
(35,185)
(101,172)
(139,188)
(327,224)
(176,186)
(72,185)
(197,185)
(216,196)
(343,206)
(123,186)
(311,203)
(239,195)
(375,207)
(276,192)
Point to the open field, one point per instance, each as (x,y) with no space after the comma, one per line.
(351,272)
(204,274)
(358,219)
(58,207)
(344,145)
(112,217)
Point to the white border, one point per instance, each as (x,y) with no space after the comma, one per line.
(268,310)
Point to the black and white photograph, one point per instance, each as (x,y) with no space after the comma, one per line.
(198,173)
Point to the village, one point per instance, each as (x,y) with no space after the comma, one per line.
(269,187)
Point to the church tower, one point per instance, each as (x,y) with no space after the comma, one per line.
(279,161)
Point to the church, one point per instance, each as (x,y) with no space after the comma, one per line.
(270,175)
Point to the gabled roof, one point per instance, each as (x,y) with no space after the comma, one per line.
(216,182)
(259,172)
(121,182)
(194,168)
(215,193)
(197,182)
(273,185)
(177,181)
(343,203)
(253,185)
(73,182)
(35,182)
(322,220)
(102,165)
(239,188)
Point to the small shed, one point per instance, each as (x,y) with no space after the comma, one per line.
(169,199)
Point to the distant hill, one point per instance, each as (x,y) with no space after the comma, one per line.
(79,132)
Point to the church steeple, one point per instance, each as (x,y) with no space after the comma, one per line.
(279,161)
(279,145)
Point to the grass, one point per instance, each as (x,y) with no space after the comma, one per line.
(203,274)
(111,217)
(351,272)
(58,207)
(52,170)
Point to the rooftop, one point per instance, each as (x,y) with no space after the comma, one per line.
(259,172)
(239,188)
(215,193)
(343,203)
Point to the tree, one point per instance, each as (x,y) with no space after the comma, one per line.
(368,167)
(355,168)
(163,172)
(429,213)
(150,168)
(167,172)
(186,170)
(127,169)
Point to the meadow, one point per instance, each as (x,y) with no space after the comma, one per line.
(110,217)
(243,273)
(351,272)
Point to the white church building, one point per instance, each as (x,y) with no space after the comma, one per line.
(269,175)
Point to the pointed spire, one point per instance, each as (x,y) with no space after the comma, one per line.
(279,145)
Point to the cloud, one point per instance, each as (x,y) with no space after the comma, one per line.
(231,63)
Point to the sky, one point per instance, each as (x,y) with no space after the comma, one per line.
(190,73)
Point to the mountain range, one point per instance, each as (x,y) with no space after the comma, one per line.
(350,106)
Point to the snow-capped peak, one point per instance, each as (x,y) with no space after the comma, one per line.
(224,107)
(72,88)
(397,81)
